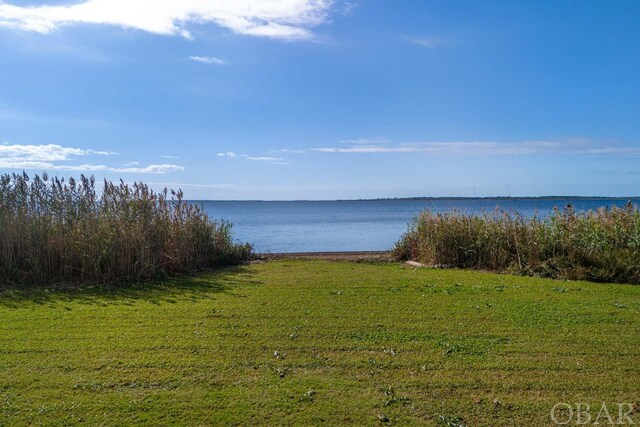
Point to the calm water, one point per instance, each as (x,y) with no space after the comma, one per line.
(354,225)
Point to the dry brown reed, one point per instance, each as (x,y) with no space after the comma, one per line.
(601,245)
(54,231)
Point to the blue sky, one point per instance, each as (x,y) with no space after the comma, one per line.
(314,99)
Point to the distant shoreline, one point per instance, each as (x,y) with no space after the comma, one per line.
(428,198)
(499,198)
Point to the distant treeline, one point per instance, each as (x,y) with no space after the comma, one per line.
(57,232)
(601,245)
(501,198)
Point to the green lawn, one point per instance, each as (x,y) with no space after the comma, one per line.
(300,342)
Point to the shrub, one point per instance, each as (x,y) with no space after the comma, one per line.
(601,245)
(54,231)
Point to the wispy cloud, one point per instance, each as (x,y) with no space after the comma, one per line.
(55,157)
(47,166)
(272,160)
(13,115)
(613,150)
(285,19)
(228,154)
(265,159)
(367,150)
(175,185)
(366,141)
(430,42)
(209,60)
(167,156)
(151,169)
(488,148)
(50,152)
(287,150)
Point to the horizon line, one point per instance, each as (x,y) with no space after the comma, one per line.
(628,198)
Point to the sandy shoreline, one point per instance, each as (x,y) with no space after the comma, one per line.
(349,255)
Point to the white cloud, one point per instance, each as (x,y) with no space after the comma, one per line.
(166,156)
(48,157)
(209,60)
(286,19)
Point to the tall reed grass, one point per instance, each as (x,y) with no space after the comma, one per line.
(601,245)
(54,231)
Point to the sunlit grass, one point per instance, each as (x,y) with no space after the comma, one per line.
(305,342)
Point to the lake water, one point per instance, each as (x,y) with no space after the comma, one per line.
(327,226)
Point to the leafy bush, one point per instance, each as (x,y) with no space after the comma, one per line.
(54,232)
(601,245)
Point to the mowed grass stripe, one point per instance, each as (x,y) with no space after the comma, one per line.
(301,342)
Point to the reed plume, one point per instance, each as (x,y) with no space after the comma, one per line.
(601,245)
(54,231)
